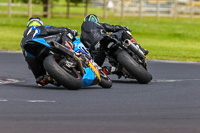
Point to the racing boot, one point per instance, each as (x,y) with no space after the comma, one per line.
(108,70)
(46,79)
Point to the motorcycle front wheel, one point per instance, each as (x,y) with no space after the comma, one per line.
(71,81)
(105,80)
(135,69)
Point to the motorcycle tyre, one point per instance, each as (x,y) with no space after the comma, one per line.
(60,75)
(105,83)
(135,69)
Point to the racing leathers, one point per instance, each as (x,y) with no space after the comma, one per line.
(92,33)
(62,35)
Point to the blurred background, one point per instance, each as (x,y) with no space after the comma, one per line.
(169,29)
(104,8)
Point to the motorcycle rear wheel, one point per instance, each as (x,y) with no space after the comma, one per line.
(67,80)
(135,69)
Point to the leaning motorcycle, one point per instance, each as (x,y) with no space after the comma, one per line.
(67,67)
(127,58)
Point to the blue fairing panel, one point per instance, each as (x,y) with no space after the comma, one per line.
(88,77)
(79,47)
(42,41)
(47,25)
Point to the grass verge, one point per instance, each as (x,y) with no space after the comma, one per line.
(165,39)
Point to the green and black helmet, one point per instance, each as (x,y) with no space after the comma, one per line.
(34,21)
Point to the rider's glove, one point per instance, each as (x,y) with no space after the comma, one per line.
(74,32)
(118,27)
(126,28)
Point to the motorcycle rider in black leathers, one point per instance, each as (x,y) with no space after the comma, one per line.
(92,32)
(36,29)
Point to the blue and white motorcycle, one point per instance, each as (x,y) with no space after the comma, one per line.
(72,69)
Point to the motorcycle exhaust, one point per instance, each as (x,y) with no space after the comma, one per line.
(62,49)
(67,52)
(79,65)
(134,48)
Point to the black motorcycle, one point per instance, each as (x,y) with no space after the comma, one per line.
(65,66)
(126,57)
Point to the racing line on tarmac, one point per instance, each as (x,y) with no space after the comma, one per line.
(27,100)
(9,80)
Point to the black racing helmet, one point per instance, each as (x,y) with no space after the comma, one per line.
(34,21)
(92,18)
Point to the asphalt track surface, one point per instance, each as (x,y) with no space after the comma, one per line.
(168,104)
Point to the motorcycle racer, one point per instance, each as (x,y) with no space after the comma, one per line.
(36,29)
(92,32)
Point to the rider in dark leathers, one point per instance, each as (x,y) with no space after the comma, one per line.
(92,32)
(36,29)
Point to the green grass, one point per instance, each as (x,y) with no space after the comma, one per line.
(165,39)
